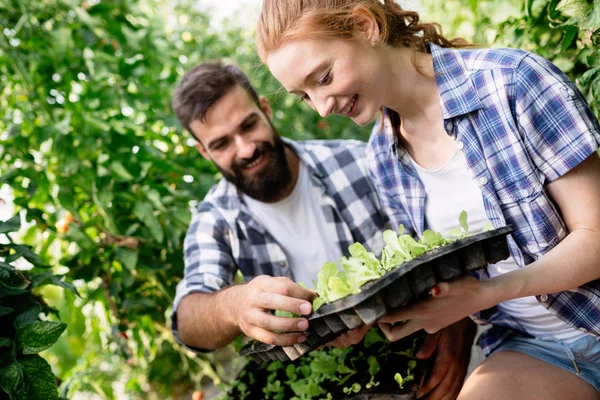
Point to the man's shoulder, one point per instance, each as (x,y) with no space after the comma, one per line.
(336,152)
(221,200)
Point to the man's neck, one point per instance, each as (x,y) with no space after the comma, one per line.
(294,163)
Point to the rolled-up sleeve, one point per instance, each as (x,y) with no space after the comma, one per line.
(555,121)
(209,264)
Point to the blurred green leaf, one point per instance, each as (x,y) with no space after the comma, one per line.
(11,379)
(39,335)
(12,278)
(11,225)
(40,380)
(128,257)
(145,213)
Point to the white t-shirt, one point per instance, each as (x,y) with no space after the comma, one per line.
(451,189)
(298,224)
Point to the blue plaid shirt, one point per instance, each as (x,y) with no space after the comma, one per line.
(521,124)
(223,237)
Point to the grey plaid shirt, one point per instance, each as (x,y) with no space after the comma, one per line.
(223,237)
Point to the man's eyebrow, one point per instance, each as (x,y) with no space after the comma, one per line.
(241,126)
(308,77)
(253,114)
(213,142)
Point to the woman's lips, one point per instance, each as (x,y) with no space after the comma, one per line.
(350,109)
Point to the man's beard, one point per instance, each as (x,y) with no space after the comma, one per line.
(270,181)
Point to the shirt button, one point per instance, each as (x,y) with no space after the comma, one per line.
(583,330)
(524,192)
(482,181)
(448,126)
(544,297)
(283,264)
(571,92)
(460,145)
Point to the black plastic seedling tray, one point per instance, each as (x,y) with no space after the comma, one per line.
(399,287)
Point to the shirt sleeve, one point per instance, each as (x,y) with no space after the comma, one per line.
(209,264)
(555,121)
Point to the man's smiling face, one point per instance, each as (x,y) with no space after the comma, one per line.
(238,137)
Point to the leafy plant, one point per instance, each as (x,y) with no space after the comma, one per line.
(23,333)
(363,266)
(373,370)
(330,372)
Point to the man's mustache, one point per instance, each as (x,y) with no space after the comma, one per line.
(247,161)
(258,152)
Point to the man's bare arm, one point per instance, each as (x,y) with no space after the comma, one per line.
(212,320)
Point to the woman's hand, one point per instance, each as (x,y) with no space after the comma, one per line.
(349,338)
(449,303)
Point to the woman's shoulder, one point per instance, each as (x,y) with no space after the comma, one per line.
(493,58)
(473,61)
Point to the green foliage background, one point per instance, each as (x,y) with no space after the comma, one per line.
(86,128)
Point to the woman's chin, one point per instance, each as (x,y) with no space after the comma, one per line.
(364,118)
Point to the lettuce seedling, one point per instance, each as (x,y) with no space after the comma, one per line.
(363,266)
(373,370)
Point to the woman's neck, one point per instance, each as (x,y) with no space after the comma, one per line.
(414,96)
(413,91)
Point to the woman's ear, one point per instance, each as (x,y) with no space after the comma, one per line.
(366,25)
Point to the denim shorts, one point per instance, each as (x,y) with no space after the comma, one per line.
(581,357)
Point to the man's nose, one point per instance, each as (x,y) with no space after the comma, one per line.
(244,146)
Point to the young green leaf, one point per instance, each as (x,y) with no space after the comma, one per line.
(462,219)
(487,227)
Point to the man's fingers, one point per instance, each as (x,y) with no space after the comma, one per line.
(398,331)
(447,389)
(440,372)
(276,301)
(429,345)
(286,287)
(270,322)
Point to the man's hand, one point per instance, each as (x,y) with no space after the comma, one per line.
(451,348)
(264,293)
(349,338)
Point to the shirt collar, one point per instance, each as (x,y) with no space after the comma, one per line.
(457,92)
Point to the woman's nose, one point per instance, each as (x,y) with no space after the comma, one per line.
(325,106)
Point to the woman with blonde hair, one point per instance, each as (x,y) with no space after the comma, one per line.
(500,133)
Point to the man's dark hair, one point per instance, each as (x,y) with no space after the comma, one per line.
(202,86)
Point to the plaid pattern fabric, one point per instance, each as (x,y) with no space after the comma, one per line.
(223,237)
(521,124)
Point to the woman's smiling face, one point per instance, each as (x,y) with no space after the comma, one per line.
(333,76)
